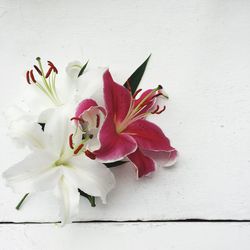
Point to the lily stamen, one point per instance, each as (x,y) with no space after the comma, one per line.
(78,149)
(71,141)
(38,70)
(53,67)
(90,154)
(157,108)
(46,83)
(160,111)
(28,77)
(48,73)
(97,121)
(136,93)
(77,119)
(32,76)
(140,111)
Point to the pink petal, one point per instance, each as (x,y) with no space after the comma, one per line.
(148,136)
(163,158)
(114,146)
(84,105)
(143,163)
(117,98)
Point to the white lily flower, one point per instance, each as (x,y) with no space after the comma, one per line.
(45,94)
(56,165)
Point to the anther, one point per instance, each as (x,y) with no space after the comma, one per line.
(32,76)
(77,119)
(97,121)
(53,67)
(136,93)
(28,77)
(90,155)
(157,108)
(38,70)
(48,73)
(160,111)
(78,149)
(71,141)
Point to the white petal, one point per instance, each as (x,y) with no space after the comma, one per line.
(58,128)
(13,113)
(33,174)
(45,115)
(68,197)
(93,144)
(36,101)
(90,176)
(27,133)
(90,85)
(73,69)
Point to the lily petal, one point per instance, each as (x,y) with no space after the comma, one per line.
(143,163)
(26,132)
(117,98)
(57,129)
(33,174)
(163,158)
(68,197)
(91,177)
(148,136)
(84,105)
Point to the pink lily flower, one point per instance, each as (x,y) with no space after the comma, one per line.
(125,132)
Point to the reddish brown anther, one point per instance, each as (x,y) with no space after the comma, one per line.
(32,76)
(160,111)
(38,70)
(77,119)
(157,108)
(53,67)
(71,141)
(90,155)
(97,121)
(49,72)
(78,149)
(136,93)
(28,77)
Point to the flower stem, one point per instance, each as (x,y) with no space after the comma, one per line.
(21,201)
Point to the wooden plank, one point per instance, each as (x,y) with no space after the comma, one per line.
(121,236)
(199,48)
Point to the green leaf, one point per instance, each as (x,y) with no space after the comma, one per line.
(21,201)
(82,69)
(90,198)
(133,81)
(114,164)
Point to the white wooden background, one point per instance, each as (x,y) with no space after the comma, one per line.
(201,53)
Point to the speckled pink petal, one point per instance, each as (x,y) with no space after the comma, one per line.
(84,105)
(117,98)
(114,146)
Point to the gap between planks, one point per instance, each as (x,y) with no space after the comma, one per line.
(136,221)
